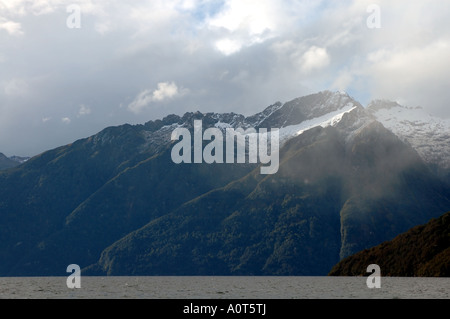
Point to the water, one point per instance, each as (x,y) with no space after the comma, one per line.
(224,288)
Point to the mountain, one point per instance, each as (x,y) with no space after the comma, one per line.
(427,134)
(6,162)
(423,250)
(327,201)
(115,203)
(13,161)
(20,159)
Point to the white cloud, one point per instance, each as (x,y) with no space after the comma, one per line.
(13,28)
(419,75)
(314,58)
(244,23)
(236,55)
(21,8)
(165,90)
(255,16)
(228,46)
(141,101)
(84,110)
(343,81)
(66,120)
(102,27)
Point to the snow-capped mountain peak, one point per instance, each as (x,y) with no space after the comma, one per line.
(292,118)
(306,108)
(428,134)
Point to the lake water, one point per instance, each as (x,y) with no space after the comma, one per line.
(224,288)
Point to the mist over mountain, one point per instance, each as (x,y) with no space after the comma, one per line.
(116,204)
(427,134)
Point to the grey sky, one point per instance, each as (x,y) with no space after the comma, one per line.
(130,62)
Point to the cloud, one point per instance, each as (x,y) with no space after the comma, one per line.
(164,91)
(13,28)
(24,7)
(228,46)
(314,58)
(244,23)
(343,81)
(84,110)
(417,75)
(66,120)
(254,16)
(16,87)
(18,9)
(141,101)
(237,56)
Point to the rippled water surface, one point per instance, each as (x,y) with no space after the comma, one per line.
(224,287)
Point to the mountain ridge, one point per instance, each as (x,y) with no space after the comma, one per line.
(259,255)
(428,134)
(423,250)
(10,162)
(84,200)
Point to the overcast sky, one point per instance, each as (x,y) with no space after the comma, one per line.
(68,69)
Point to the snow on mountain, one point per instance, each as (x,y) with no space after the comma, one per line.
(329,119)
(20,159)
(292,118)
(8,162)
(299,115)
(429,135)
